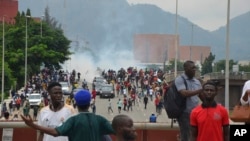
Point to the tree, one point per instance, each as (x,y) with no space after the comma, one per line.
(221,65)
(51,49)
(52,22)
(8,77)
(245,68)
(171,66)
(207,66)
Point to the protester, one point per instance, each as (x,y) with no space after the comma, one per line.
(84,125)
(124,128)
(11,107)
(191,93)
(209,121)
(119,105)
(245,96)
(55,113)
(26,109)
(145,101)
(152,118)
(110,106)
(93,93)
(4,109)
(6,115)
(93,107)
(35,112)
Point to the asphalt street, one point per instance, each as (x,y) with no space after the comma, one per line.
(138,114)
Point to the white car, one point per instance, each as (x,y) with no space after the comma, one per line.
(65,87)
(35,99)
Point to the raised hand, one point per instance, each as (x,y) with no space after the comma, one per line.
(28,120)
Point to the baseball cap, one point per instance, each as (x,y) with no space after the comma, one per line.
(82,97)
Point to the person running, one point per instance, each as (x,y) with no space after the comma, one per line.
(110,106)
(124,128)
(93,93)
(119,105)
(84,125)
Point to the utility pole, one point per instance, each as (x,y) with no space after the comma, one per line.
(2,96)
(192,37)
(227,58)
(176,40)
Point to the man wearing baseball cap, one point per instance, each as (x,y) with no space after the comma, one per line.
(83,126)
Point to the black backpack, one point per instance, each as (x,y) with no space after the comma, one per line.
(174,102)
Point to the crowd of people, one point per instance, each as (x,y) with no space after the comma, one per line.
(202,114)
(38,83)
(134,85)
(59,121)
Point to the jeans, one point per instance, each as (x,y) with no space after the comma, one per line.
(184,125)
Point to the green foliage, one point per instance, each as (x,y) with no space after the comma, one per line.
(245,68)
(50,20)
(51,49)
(171,66)
(8,77)
(207,66)
(221,65)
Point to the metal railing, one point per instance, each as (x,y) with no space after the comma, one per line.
(170,76)
(215,75)
(232,75)
(138,125)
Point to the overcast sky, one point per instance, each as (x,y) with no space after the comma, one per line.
(208,14)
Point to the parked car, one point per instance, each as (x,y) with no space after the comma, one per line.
(35,99)
(107,90)
(65,87)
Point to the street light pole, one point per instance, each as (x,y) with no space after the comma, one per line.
(26,55)
(192,37)
(42,26)
(176,42)
(3,65)
(227,58)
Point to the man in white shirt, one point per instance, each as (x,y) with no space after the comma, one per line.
(55,113)
(245,96)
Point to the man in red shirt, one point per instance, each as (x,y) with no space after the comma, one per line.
(209,121)
(93,93)
(118,87)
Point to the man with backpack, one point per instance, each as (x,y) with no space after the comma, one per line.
(189,87)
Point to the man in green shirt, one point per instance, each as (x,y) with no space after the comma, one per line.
(84,125)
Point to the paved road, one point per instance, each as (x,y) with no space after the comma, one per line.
(139,114)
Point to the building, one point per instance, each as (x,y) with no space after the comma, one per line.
(154,48)
(160,48)
(195,53)
(8,10)
(244,62)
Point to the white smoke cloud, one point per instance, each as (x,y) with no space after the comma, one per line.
(109,59)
